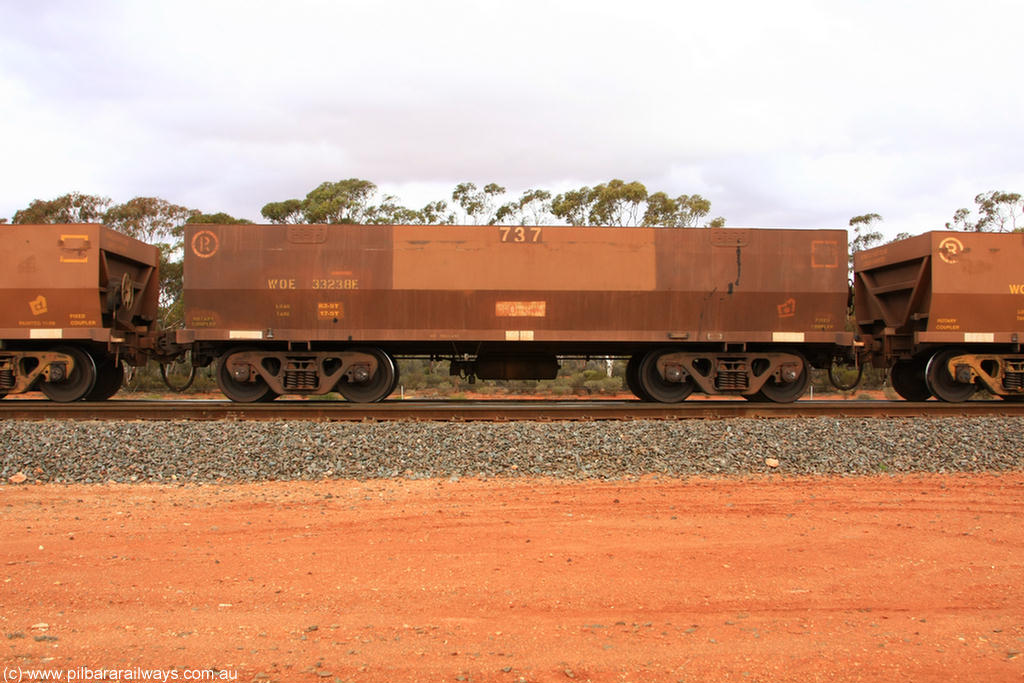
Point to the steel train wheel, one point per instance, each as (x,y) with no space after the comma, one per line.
(758,366)
(78,383)
(633,378)
(945,387)
(655,387)
(109,377)
(376,388)
(787,392)
(395,381)
(908,380)
(241,391)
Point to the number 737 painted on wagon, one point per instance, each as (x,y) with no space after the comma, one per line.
(521,234)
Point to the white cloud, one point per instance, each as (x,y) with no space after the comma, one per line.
(786,113)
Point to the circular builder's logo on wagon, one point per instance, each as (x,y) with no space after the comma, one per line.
(205,244)
(950,249)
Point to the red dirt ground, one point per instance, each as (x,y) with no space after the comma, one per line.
(868,579)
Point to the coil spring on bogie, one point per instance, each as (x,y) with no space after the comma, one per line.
(6,379)
(1013,381)
(300,380)
(731,380)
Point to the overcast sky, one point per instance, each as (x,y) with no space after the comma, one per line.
(782,113)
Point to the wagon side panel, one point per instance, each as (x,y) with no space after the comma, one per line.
(977,287)
(495,283)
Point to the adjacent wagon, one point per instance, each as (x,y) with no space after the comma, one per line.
(945,311)
(75,300)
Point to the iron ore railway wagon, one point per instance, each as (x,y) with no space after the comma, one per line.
(311,309)
(75,301)
(945,312)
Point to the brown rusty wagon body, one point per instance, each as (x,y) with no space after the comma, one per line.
(945,311)
(318,308)
(76,300)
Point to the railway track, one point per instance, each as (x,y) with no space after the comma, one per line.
(490,410)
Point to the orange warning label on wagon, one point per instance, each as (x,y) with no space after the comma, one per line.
(521,309)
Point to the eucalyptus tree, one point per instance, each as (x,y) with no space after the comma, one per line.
(73,207)
(997,212)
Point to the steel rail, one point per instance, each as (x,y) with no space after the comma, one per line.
(490,410)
